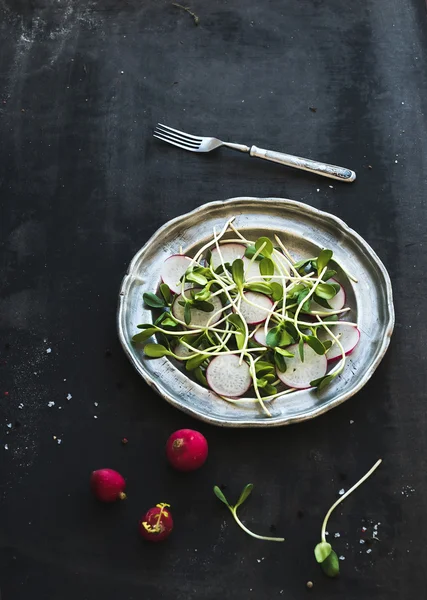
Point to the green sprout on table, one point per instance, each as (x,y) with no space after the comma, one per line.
(233,509)
(323,552)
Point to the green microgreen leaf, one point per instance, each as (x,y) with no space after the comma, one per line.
(153,301)
(331,565)
(268,390)
(301,296)
(322,551)
(328,274)
(326,291)
(246,492)
(200,376)
(302,263)
(187,313)
(268,248)
(301,349)
(323,259)
(203,305)
(144,335)
(322,382)
(266,267)
(279,359)
(315,344)
(250,251)
(290,327)
(145,326)
(284,352)
(166,293)
(276,291)
(196,277)
(204,294)
(262,288)
(237,271)
(155,350)
(324,303)
(218,493)
(286,338)
(327,344)
(274,337)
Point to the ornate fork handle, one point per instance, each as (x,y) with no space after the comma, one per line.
(305,164)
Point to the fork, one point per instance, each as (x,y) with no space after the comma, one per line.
(195,143)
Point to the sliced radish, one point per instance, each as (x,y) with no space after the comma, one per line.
(260,337)
(299,374)
(173,269)
(255,314)
(199,318)
(227,377)
(253,274)
(230,252)
(348,336)
(336,303)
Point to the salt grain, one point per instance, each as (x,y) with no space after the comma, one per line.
(59,441)
(351,422)
(9,425)
(364,528)
(95,417)
(361,541)
(49,350)
(369,551)
(69,396)
(6,447)
(337,535)
(50,404)
(341,492)
(95,403)
(20,406)
(342,557)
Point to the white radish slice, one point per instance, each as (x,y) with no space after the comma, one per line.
(227,377)
(260,337)
(230,252)
(199,318)
(298,374)
(348,336)
(336,303)
(255,314)
(173,269)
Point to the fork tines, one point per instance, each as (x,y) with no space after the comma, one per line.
(176,137)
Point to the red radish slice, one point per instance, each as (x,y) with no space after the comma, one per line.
(199,318)
(230,252)
(299,374)
(260,337)
(255,314)
(253,274)
(227,377)
(336,303)
(348,336)
(173,269)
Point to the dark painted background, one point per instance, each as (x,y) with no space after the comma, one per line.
(83,186)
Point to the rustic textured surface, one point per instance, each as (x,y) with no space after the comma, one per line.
(83,185)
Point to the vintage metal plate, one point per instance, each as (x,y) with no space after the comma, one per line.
(304,230)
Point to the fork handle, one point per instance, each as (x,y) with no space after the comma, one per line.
(305,164)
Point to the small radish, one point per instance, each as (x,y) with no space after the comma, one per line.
(255,314)
(107,485)
(336,303)
(186,450)
(230,252)
(348,336)
(227,377)
(299,374)
(157,524)
(199,318)
(173,269)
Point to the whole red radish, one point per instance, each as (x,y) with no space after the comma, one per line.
(157,523)
(187,450)
(107,485)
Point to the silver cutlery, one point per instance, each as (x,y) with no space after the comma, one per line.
(195,143)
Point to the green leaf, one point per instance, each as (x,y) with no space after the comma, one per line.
(155,350)
(290,327)
(260,365)
(205,294)
(336,287)
(187,313)
(279,359)
(237,322)
(326,291)
(276,291)
(274,337)
(301,296)
(237,271)
(328,274)
(166,293)
(153,301)
(262,288)
(322,551)
(196,361)
(144,335)
(322,381)
(331,565)
(168,322)
(250,251)
(196,278)
(301,349)
(261,383)
(327,344)
(286,338)
(145,326)
(268,248)
(200,376)
(268,390)
(323,259)
(331,318)
(269,377)
(284,352)
(302,263)
(218,493)
(203,305)
(322,301)
(315,344)
(266,267)
(245,494)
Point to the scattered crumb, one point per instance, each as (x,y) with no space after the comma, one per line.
(69,396)
(332,187)
(50,404)
(318,190)
(341,492)
(407,490)
(59,407)
(49,350)
(364,529)
(20,406)
(337,535)
(54,437)
(9,425)
(309,584)
(95,417)
(6,447)
(342,557)
(326,532)
(95,403)
(313,109)
(369,550)
(361,541)
(351,421)
(124,441)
